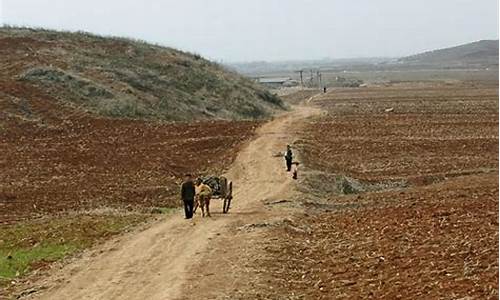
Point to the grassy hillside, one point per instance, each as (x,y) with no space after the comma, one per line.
(481,53)
(118,77)
(83,157)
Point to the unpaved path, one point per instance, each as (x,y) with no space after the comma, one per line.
(161,261)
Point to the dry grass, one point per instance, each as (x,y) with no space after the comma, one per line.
(116,77)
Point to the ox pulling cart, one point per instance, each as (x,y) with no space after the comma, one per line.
(222,189)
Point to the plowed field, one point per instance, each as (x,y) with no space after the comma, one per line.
(55,158)
(433,237)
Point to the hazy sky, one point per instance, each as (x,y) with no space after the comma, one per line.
(243,30)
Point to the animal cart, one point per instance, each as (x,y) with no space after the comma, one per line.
(222,188)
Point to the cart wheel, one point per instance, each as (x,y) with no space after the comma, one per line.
(228,195)
(227,204)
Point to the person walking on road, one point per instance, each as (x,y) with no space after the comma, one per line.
(187,195)
(288,158)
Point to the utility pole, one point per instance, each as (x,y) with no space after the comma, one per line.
(301,78)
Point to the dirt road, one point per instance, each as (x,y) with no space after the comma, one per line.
(154,263)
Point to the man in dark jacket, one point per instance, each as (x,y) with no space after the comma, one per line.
(288,158)
(187,195)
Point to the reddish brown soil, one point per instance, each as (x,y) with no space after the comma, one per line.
(437,242)
(437,239)
(58,159)
(432,131)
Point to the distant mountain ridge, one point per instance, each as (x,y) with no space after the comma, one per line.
(482,53)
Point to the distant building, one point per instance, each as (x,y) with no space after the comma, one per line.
(277,82)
